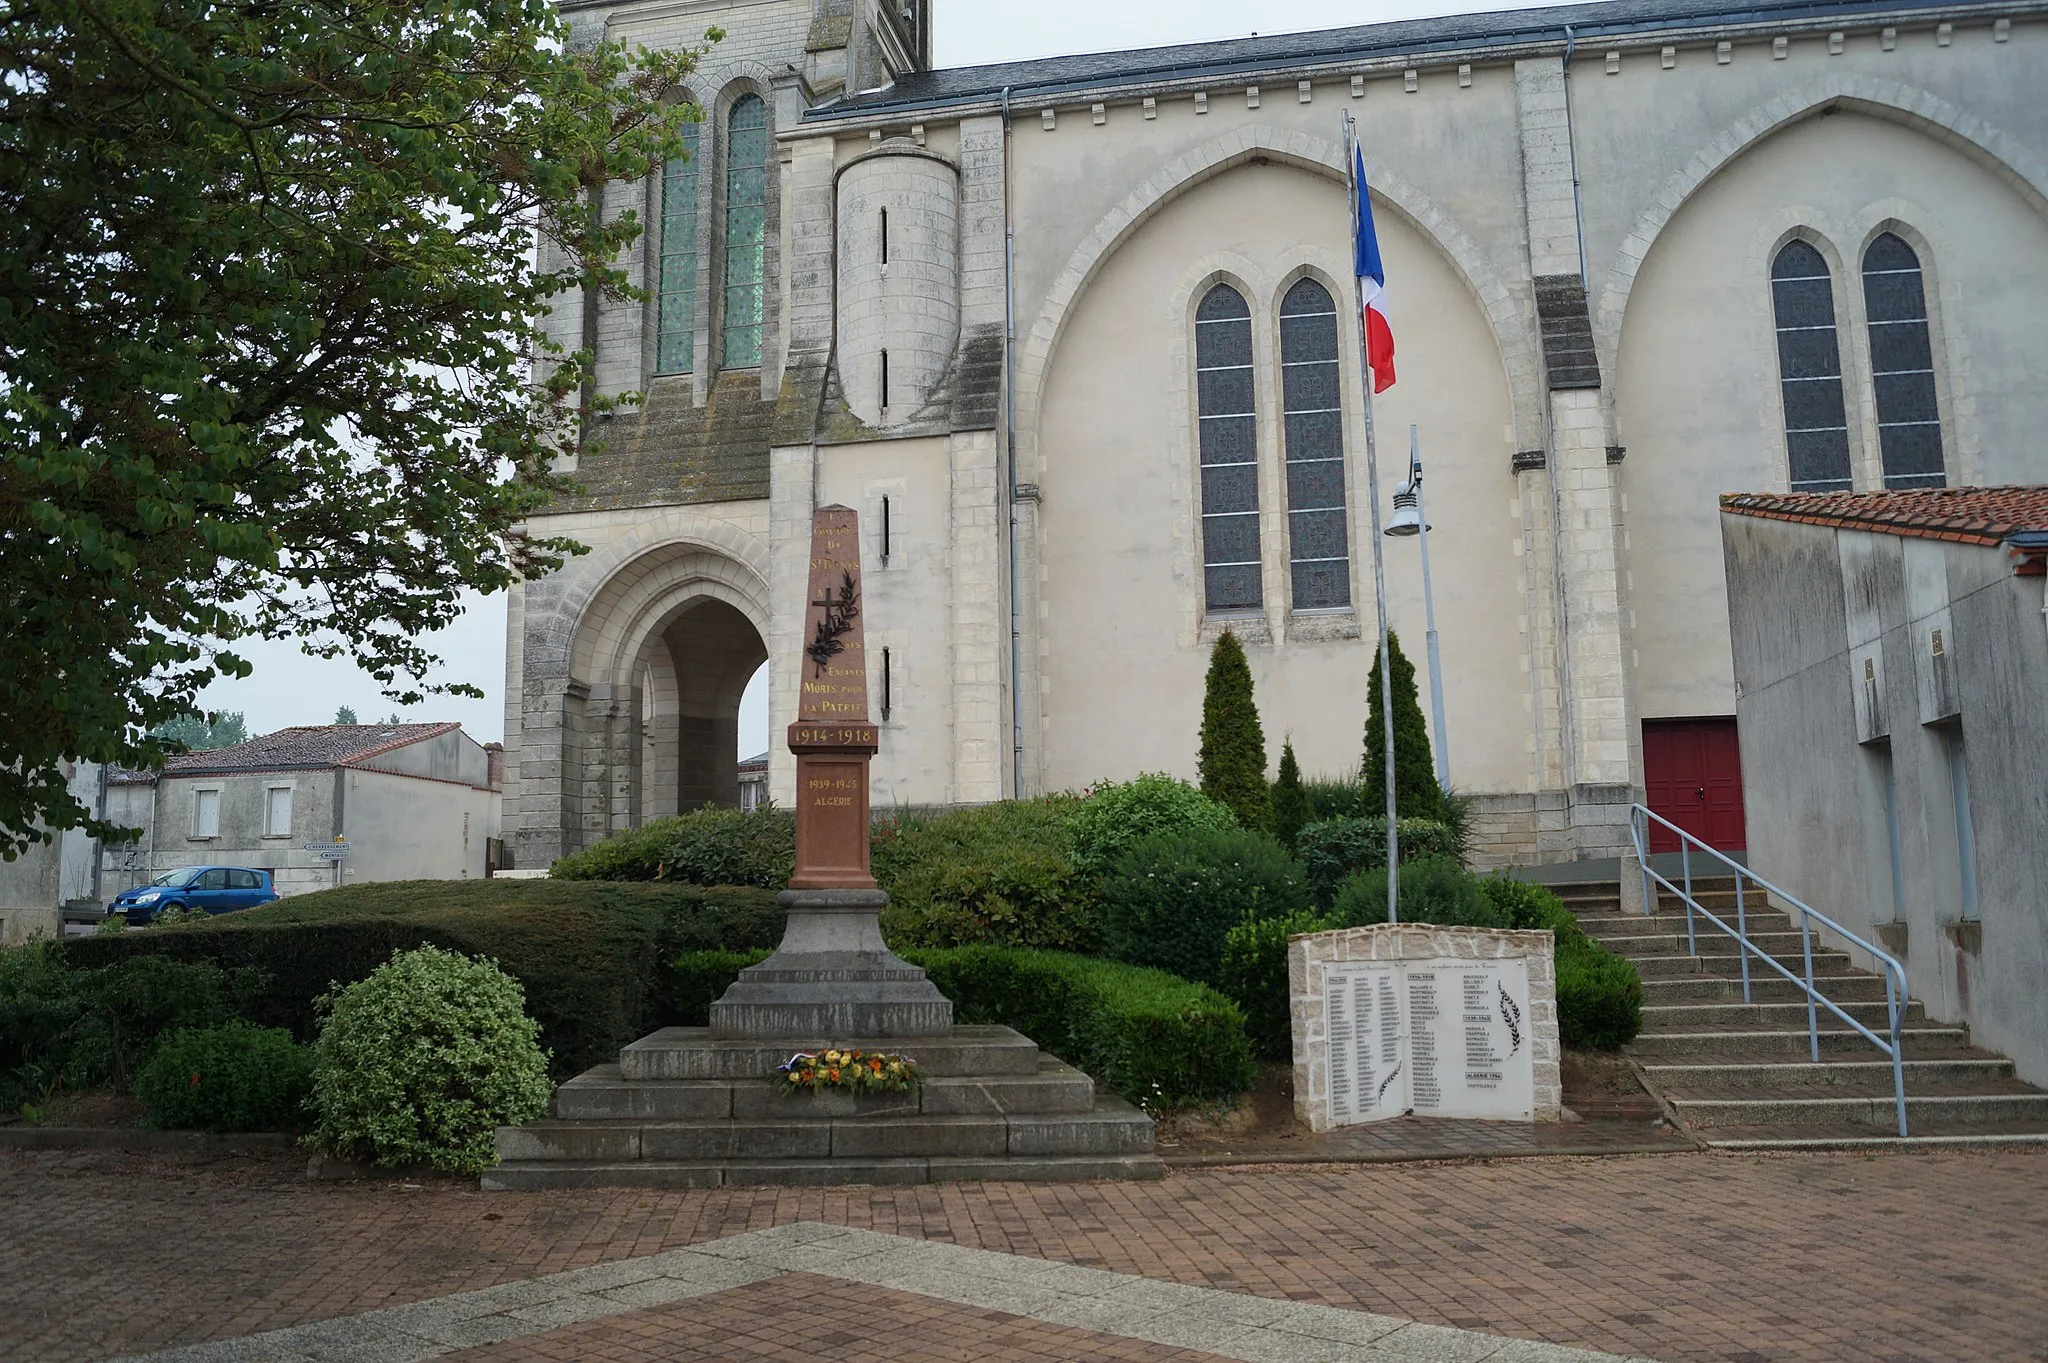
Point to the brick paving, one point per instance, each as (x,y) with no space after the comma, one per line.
(803,1317)
(1409,1138)
(1755,1258)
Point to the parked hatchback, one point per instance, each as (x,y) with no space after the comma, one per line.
(210,889)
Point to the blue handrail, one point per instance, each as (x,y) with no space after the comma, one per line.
(1895,994)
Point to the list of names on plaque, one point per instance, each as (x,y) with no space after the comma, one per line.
(1440,1038)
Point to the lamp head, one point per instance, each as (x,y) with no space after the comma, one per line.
(1407,520)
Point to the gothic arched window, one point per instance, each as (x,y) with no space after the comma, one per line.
(1312,408)
(1810,370)
(676,280)
(746,229)
(1902,366)
(1229,449)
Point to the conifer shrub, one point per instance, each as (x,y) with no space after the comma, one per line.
(233,1077)
(1416,793)
(996,875)
(1102,826)
(1254,976)
(1290,801)
(421,1061)
(1337,849)
(1173,897)
(1232,761)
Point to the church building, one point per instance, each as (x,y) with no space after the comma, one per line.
(1078,339)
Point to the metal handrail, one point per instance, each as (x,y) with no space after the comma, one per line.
(1895,994)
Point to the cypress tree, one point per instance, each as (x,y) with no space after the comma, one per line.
(1233,758)
(1290,802)
(1416,794)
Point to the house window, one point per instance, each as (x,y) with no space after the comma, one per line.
(1229,451)
(676,286)
(1312,404)
(746,229)
(205,813)
(1810,370)
(277,812)
(1902,366)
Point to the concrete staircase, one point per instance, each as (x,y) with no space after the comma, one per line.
(681,1110)
(1741,1075)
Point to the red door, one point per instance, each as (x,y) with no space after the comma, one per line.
(1692,775)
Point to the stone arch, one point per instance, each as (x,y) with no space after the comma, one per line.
(1319,155)
(1977,139)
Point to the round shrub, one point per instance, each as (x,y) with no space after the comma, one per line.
(1174,896)
(1599,999)
(1334,850)
(1106,824)
(231,1078)
(423,1059)
(1531,907)
(1254,974)
(996,875)
(1433,890)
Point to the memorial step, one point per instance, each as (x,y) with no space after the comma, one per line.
(604,1094)
(692,1053)
(684,1174)
(1765,1047)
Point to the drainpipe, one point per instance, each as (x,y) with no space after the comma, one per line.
(1010,414)
(1571,145)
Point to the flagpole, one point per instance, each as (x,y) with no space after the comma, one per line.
(1379,570)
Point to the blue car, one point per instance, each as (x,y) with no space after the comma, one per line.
(213,889)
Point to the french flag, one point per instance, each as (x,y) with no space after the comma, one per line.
(1372,284)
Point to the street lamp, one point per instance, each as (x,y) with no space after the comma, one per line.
(1409,519)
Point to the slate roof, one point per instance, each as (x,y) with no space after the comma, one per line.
(1965,515)
(1050,77)
(304,747)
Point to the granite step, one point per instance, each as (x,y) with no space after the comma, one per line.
(1734,1015)
(1637,924)
(1770,1047)
(1856,987)
(1825,964)
(604,1094)
(1957,1074)
(1785,946)
(692,1053)
(520,1176)
(2026,1110)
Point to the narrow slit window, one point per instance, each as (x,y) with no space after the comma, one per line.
(746,230)
(1902,366)
(1810,370)
(1312,412)
(885,236)
(885,380)
(1227,417)
(676,282)
(885,529)
(886,687)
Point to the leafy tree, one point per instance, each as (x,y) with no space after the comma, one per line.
(345,715)
(1416,794)
(1290,801)
(1233,757)
(198,733)
(271,314)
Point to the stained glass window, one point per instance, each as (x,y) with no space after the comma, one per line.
(746,229)
(1229,451)
(1902,366)
(676,286)
(1810,370)
(1312,406)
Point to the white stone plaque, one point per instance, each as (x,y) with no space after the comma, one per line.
(1383,1030)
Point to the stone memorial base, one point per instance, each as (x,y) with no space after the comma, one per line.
(684,1108)
(832,977)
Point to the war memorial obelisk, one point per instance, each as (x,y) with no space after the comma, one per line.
(833,979)
(700,1107)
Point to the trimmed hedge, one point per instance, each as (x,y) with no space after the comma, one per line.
(1599,994)
(1432,890)
(1172,897)
(592,957)
(1335,850)
(229,1078)
(1160,1041)
(1254,975)
(996,875)
(704,847)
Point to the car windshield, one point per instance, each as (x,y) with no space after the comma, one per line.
(180,878)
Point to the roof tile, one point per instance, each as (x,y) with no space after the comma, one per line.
(315,746)
(1966,515)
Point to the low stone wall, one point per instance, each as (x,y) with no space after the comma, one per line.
(1421,945)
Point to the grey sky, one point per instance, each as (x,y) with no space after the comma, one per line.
(290,688)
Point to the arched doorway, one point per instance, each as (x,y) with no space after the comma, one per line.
(694,670)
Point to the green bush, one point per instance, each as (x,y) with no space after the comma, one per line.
(422,1060)
(997,875)
(1103,826)
(1173,896)
(229,1078)
(1160,1041)
(1232,758)
(704,847)
(1290,802)
(1335,850)
(1599,994)
(1254,975)
(1337,797)
(591,956)
(702,976)
(1433,890)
